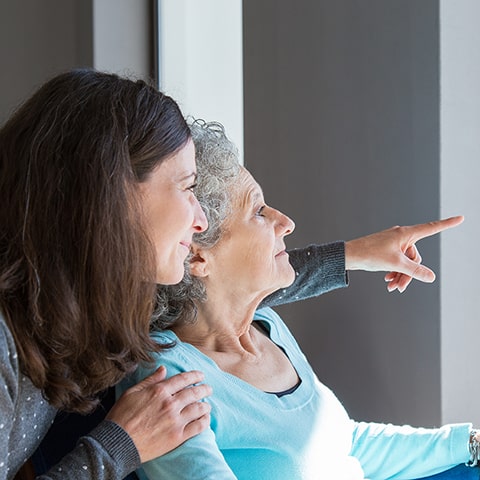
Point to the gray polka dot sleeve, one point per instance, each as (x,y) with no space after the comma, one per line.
(106,453)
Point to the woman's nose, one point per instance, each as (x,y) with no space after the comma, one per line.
(285,224)
(290,226)
(200,222)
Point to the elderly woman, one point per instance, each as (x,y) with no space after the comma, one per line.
(271,417)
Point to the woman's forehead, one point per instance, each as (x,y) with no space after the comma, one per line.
(246,190)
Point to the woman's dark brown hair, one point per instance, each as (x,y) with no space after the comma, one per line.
(74,255)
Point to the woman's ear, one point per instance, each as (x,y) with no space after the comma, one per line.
(198,262)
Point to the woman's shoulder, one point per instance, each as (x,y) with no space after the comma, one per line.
(175,355)
(171,346)
(273,322)
(278,330)
(164,337)
(270,317)
(268,314)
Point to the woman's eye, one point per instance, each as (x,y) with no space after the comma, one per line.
(260,211)
(192,187)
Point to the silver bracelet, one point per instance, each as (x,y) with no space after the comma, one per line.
(474,448)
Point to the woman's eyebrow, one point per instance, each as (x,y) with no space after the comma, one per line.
(187,176)
(257,194)
(254,197)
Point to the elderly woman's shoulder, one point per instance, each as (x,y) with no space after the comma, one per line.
(271,320)
(277,329)
(268,314)
(173,351)
(164,337)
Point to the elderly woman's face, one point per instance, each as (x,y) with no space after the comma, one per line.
(251,253)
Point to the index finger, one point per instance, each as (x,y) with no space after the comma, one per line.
(423,230)
(182,380)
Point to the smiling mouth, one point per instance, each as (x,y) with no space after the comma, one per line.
(186,245)
(283,252)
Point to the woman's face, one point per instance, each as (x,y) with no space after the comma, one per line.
(251,253)
(173,213)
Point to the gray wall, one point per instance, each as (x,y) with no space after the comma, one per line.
(342,132)
(39,39)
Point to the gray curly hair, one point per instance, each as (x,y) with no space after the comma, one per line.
(218,168)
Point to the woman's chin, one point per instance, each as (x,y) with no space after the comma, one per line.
(291,277)
(172,277)
(286,279)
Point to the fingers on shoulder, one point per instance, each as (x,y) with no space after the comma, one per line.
(194,393)
(181,388)
(196,426)
(183,380)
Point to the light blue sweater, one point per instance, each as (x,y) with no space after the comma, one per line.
(305,435)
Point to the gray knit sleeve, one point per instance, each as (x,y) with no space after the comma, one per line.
(319,269)
(107,453)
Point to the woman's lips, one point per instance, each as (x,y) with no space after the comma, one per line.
(186,245)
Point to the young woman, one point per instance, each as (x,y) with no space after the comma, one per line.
(96,179)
